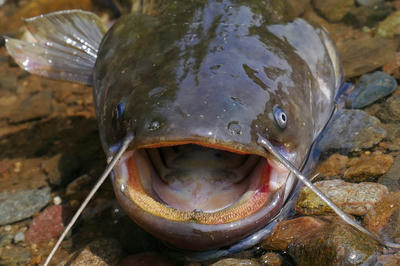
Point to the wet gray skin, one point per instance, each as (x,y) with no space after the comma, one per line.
(196,83)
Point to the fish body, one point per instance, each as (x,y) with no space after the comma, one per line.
(196,85)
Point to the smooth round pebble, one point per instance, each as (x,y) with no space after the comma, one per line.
(19,237)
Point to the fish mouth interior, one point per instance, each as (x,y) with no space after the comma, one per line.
(199,184)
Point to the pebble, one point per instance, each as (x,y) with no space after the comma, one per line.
(271,259)
(334,244)
(102,251)
(22,204)
(286,232)
(34,107)
(356,199)
(366,17)
(333,10)
(390,110)
(366,54)
(368,2)
(146,258)
(384,219)
(370,88)
(390,27)
(19,237)
(49,224)
(391,179)
(233,262)
(15,256)
(57,200)
(351,130)
(368,167)
(389,260)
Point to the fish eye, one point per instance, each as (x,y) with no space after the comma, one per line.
(120,110)
(280,117)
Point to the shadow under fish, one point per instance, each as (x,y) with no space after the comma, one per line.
(187,102)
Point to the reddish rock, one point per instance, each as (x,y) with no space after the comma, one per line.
(334,166)
(145,259)
(368,167)
(48,225)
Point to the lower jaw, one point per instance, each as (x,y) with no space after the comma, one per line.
(198,230)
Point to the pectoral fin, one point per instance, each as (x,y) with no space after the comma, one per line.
(65,45)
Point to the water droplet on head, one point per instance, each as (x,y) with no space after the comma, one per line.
(122,188)
(234,128)
(154,125)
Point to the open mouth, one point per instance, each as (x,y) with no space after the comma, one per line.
(199,184)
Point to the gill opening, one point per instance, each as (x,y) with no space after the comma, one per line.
(125,143)
(346,218)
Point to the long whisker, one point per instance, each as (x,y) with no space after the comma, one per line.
(125,143)
(269,147)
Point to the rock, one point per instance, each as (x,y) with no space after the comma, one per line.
(351,130)
(15,256)
(146,258)
(335,244)
(76,186)
(333,167)
(384,218)
(390,110)
(368,167)
(333,10)
(286,232)
(49,224)
(391,179)
(367,16)
(271,259)
(370,88)
(393,67)
(388,260)
(57,172)
(368,2)
(363,55)
(22,204)
(390,27)
(356,199)
(233,262)
(19,237)
(100,252)
(34,107)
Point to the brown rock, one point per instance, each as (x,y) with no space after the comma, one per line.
(389,260)
(333,10)
(100,252)
(367,167)
(391,179)
(271,259)
(287,231)
(366,54)
(355,199)
(390,27)
(385,216)
(334,166)
(393,67)
(233,262)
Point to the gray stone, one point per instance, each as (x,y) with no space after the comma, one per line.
(22,204)
(19,237)
(368,2)
(392,178)
(390,110)
(370,88)
(351,130)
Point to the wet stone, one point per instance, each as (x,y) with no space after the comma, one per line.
(384,219)
(286,231)
(363,55)
(391,179)
(103,251)
(34,107)
(368,2)
(335,244)
(350,131)
(368,15)
(390,27)
(390,111)
(333,10)
(393,67)
(370,88)
(271,259)
(19,237)
(356,199)
(146,258)
(15,256)
(233,262)
(22,204)
(368,167)
(49,224)
(333,167)
(388,260)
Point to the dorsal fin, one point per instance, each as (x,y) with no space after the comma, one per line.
(65,45)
